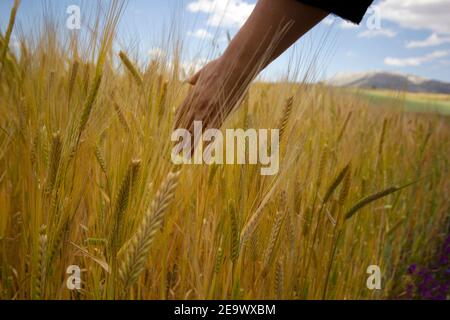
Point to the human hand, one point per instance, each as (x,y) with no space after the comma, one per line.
(217,87)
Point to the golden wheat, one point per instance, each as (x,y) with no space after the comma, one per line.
(70,166)
(131,68)
(137,250)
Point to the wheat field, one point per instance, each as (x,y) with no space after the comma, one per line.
(86,179)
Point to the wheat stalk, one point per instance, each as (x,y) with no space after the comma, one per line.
(88,104)
(100,159)
(39,272)
(234,233)
(274,234)
(9,29)
(43,137)
(253,222)
(254,246)
(290,230)
(57,238)
(131,68)
(34,149)
(376,196)
(122,201)
(342,174)
(163,97)
(219,260)
(121,117)
(345,186)
(382,137)
(139,246)
(72,78)
(279,280)
(251,225)
(55,155)
(287,110)
(344,127)
(322,164)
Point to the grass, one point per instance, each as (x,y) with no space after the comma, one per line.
(86,179)
(408,101)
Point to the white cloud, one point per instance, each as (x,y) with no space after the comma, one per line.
(388,33)
(347,25)
(416,61)
(224,13)
(329,20)
(417,14)
(201,34)
(433,40)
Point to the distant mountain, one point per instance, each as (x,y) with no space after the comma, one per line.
(389,80)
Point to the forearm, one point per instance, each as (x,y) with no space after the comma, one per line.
(273,27)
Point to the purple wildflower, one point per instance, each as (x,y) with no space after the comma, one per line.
(412,268)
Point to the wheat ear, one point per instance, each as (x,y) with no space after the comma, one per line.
(219,260)
(345,187)
(100,159)
(270,249)
(88,104)
(55,155)
(121,117)
(322,165)
(252,224)
(139,246)
(122,200)
(39,273)
(364,202)
(335,183)
(131,68)
(279,280)
(72,78)
(287,110)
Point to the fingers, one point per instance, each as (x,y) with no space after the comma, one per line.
(185,112)
(191,111)
(194,79)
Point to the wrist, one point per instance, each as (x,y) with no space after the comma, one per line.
(239,62)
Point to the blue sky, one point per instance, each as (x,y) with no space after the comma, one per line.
(397,35)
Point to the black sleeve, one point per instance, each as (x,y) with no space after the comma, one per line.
(352,10)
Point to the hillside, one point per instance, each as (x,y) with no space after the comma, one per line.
(391,81)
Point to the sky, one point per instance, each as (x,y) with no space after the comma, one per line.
(407,36)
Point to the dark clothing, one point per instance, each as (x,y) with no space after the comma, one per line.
(352,10)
